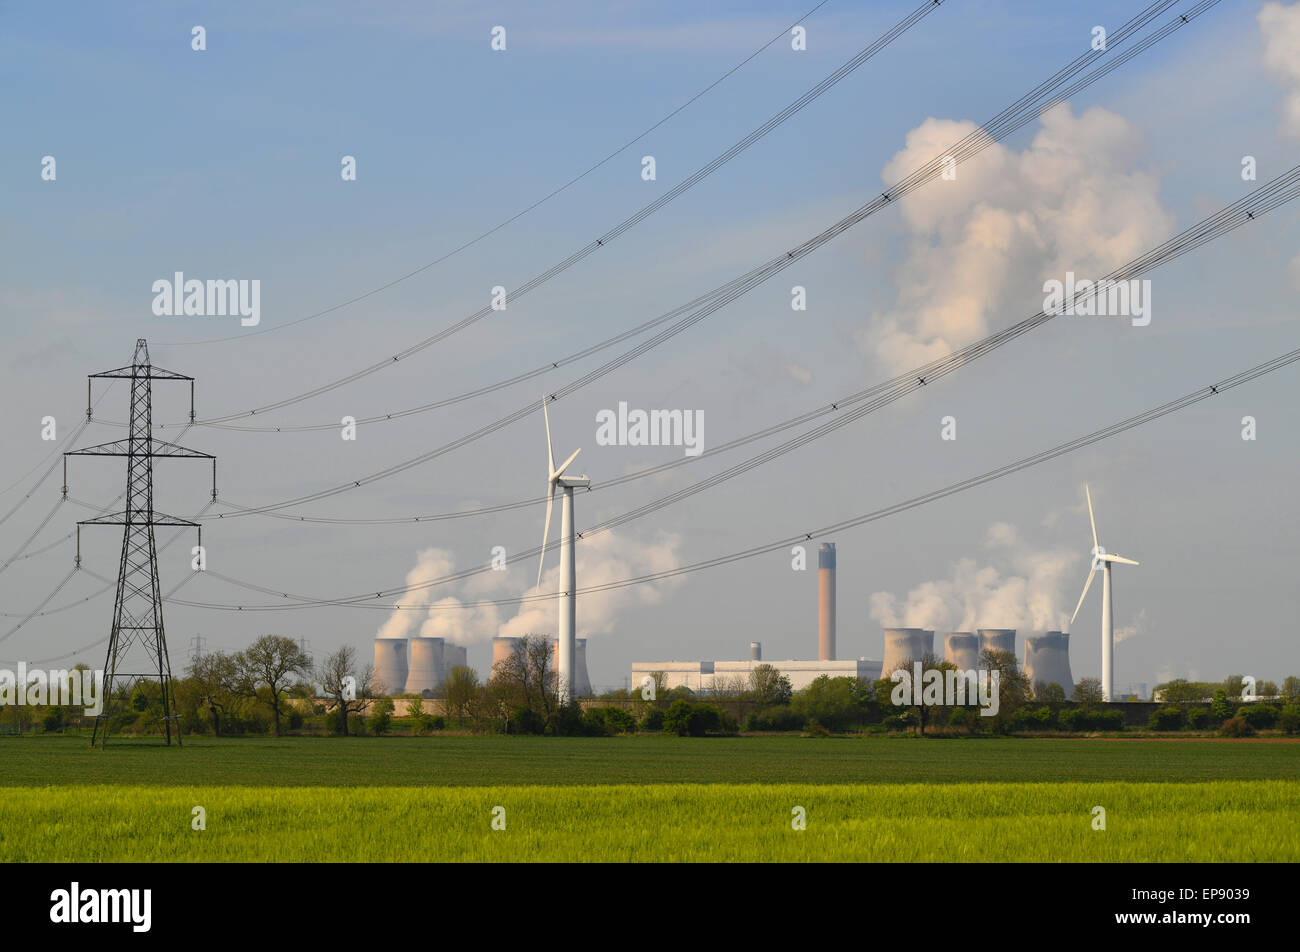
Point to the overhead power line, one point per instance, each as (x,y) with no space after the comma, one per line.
(1045,95)
(1284,188)
(515,217)
(811,535)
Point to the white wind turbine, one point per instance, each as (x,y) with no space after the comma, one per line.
(568,599)
(1101,559)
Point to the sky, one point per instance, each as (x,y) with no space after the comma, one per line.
(225,163)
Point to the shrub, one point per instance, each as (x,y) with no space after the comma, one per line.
(1221,708)
(1198,718)
(524,720)
(1289,720)
(294,721)
(899,722)
(427,723)
(610,720)
(780,718)
(1236,727)
(53,719)
(1091,719)
(691,720)
(567,721)
(653,720)
(1167,719)
(380,721)
(965,718)
(1259,716)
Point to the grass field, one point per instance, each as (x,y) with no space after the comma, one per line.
(650,798)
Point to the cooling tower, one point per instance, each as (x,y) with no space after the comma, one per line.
(826,602)
(904,645)
(390,665)
(427,669)
(454,656)
(1047,660)
(997,639)
(755,651)
(502,648)
(962,648)
(581,683)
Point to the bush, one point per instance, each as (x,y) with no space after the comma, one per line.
(900,722)
(294,721)
(1167,719)
(427,723)
(609,720)
(1198,718)
(832,702)
(1221,708)
(567,721)
(965,718)
(691,720)
(1289,720)
(1091,719)
(524,720)
(1259,716)
(1033,719)
(53,719)
(653,720)
(379,722)
(1236,727)
(780,718)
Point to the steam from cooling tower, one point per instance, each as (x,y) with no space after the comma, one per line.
(826,602)
(998,639)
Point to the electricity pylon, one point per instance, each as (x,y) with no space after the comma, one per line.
(137,614)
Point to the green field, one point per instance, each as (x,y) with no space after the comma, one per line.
(650,798)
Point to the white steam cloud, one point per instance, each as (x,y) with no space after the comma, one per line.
(1280,30)
(982,245)
(1025,590)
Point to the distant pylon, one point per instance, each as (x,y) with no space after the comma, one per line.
(137,613)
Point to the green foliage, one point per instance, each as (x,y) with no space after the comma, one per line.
(1034,719)
(524,720)
(1289,720)
(295,719)
(1236,727)
(1221,707)
(1167,718)
(428,723)
(54,719)
(1259,716)
(691,720)
(381,716)
(834,703)
(900,722)
(566,721)
(609,721)
(1091,719)
(653,720)
(782,718)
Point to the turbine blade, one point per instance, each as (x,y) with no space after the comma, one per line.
(1095,543)
(565,465)
(1112,557)
(1086,586)
(546,531)
(550,457)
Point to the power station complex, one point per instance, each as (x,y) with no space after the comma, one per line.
(420,665)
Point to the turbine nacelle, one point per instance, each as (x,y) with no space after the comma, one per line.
(1101,559)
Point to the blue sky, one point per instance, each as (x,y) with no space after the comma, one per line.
(225,163)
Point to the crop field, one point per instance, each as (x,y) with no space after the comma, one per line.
(650,798)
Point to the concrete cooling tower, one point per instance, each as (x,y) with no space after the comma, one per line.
(427,670)
(904,645)
(998,639)
(454,656)
(581,683)
(962,648)
(502,649)
(1047,660)
(390,665)
(826,602)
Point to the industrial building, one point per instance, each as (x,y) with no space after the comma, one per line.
(1047,660)
(703,675)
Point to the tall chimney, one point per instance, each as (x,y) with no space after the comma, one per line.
(826,602)
(755,651)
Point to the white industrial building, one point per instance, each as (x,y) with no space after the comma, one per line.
(700,675)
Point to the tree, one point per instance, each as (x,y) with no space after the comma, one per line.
(1049,692)
(1088,691)
(214,678)
(1221,708)
(462,691)
(1013,685)
(830,702)
(526,678)
(769,687)
(269,663)
(350,690)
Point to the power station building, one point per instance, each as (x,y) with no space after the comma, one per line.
(703,675)
(415,665)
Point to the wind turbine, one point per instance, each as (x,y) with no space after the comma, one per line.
(1101,559)
(568,599)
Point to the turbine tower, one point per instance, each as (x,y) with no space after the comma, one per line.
(568,647)
(1101,559)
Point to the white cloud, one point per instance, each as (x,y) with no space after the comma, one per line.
(1280,28)
(982,245)
(1025,590)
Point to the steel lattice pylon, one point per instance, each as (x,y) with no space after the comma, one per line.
(137,638)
